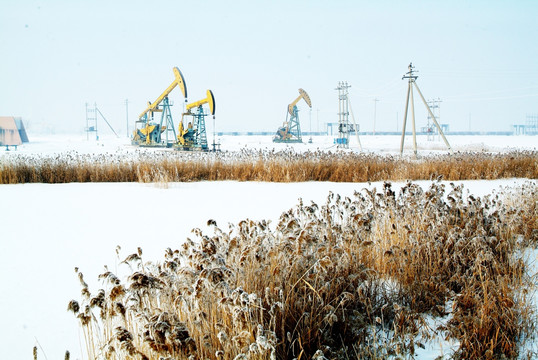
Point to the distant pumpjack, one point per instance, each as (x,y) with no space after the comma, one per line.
(290,131)
(147,131)
(194,135)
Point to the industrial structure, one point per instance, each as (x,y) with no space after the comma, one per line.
(290,131)
(344,109)
(194,135)
(12,132)
(410,75)
(147,131)
(91,121)
(529,128)
(429,129)
(151,132)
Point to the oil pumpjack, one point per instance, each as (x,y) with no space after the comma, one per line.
(290,131)
(151,133)
(148,132)
(194,135)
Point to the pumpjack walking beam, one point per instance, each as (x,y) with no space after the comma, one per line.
(178,81)
(412,81)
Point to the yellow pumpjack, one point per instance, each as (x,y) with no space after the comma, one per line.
(290,131)
(147,131)
(194,136)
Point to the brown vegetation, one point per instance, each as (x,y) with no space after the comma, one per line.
(352,278)
(285,166)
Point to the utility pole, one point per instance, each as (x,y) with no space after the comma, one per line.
(310,116)
(375,105)
(410,75)
(127,117)
(354,123)
(106,121)
(87,128)
(317,119)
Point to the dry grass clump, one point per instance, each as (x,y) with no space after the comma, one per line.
(283,166)
(352,278)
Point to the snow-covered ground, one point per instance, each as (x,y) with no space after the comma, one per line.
(47,230)
(385,144)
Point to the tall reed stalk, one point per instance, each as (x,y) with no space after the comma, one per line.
(285,166)
(351,278)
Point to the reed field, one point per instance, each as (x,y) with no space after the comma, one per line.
(353,278)
(380,274)
(265,165)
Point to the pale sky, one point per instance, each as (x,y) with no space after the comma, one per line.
(479,57)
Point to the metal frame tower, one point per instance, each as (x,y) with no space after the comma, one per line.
(199,124)
(343,115)
(197,136)
(410,75)
(166,117)
(433,104)
(91,121)
(290,132)
(294,126)
(531,125)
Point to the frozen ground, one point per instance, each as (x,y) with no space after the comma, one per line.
(47,230)
(388,144)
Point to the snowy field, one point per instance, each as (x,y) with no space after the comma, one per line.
(385,144)
(48,230)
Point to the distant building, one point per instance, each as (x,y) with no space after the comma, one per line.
(12,131)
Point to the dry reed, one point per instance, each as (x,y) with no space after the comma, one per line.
(351,278)
(284,166)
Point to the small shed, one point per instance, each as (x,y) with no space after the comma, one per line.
(12,131)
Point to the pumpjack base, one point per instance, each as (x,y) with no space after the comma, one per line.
(293,141)
(189,148)
(158,145)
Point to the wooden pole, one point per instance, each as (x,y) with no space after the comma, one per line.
(405,118)
(354,123)
(413,121)
(434,120)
